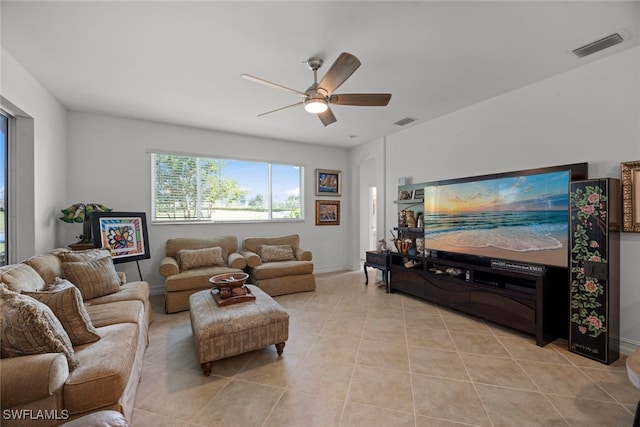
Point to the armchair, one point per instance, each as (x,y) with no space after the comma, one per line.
(189,263)
(278,265)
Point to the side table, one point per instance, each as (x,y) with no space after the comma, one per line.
(381,261)
(80,246)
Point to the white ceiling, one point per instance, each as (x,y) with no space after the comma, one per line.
(180,62)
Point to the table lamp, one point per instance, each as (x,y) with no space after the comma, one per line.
(81,212)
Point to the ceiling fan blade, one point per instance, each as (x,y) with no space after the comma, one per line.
(339,72)
(280,109)
(361,99)
(271,84)
(327,117)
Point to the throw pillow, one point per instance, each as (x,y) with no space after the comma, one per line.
(30,327)
(205,257)
(271,253)
(85,255)
(65,300)
(94,278)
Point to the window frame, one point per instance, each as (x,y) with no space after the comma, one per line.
(7,228)
(269,196)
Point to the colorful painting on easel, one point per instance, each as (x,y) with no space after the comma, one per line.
(124,234)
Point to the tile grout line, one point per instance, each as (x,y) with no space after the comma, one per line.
(486,412)
(406,338)
(286,387)
(355,362)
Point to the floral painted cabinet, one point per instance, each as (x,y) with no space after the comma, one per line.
(594,315)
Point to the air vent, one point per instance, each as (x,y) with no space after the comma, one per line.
(405,121)
(598,45)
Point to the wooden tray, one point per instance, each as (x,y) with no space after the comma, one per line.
(232,300)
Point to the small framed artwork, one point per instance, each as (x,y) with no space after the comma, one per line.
(123,233)
(418,194)
(328,182)
(630,196)
(327,212)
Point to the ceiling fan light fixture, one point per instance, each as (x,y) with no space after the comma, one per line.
(315,105)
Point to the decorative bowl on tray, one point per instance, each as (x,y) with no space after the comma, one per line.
(228,280)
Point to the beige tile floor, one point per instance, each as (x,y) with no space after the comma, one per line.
(357,356)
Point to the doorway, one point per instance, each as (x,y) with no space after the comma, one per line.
(373,219)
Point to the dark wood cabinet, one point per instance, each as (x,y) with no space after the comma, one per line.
(535,302)
(595,269)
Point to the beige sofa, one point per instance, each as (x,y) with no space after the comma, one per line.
(278,265)
(103,374)
(189,263)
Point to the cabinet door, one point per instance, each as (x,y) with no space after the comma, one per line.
(519,312)
(451,292)
(594,309)
(408,281)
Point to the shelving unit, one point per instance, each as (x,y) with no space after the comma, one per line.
(407,204)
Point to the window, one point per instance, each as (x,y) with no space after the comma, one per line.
(4,144)
(201,189)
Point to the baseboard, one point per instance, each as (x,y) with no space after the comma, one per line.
(332,269)
(156,290)
(628,346)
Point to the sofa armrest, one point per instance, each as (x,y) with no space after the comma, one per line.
(169,266)
(252,258)
(236,260)
(303,255)
(31,378)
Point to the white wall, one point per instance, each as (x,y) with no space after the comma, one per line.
(41,158)
(110,164)
(590,114)
(368,170)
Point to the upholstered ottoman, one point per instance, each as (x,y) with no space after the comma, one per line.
(220,332)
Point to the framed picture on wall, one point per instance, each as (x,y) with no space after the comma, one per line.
(328,182)
(630,196)
(123,233)
(327,212)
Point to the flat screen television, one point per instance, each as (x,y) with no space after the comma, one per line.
(517,216)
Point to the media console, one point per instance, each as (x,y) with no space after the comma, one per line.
(531,299)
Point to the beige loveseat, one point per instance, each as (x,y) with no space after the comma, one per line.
(278,265)
(189,263)
(107,335)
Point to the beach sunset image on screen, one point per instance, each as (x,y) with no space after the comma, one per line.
(522,218)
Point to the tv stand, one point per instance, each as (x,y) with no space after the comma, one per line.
(534,301)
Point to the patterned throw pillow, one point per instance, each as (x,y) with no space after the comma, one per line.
(85,255)
(65,300)
(205,257)
(30,327)
(271,253)
(94,278)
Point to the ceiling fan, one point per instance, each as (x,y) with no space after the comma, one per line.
(319,95)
